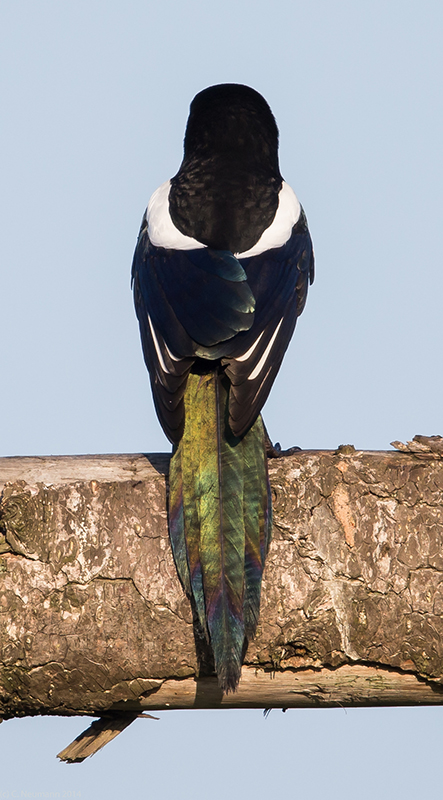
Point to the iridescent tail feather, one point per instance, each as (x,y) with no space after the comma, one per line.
(220,521)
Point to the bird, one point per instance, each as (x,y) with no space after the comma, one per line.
(220,275)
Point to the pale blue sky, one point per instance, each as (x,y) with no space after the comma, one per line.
(94,97)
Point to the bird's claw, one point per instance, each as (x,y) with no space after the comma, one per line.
(275,451)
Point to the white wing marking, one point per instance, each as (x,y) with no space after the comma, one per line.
(256,372)
(249,352)
(260,387)
(174,358)
(157,347)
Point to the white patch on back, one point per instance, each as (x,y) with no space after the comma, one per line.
(161,229)
(280,229)
(163,233)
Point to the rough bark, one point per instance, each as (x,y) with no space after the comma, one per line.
(94,620)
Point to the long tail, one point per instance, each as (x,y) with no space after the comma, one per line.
(220,521)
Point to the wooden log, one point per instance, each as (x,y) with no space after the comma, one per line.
(99,734)
(93,619)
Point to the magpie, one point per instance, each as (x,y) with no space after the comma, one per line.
(220,275)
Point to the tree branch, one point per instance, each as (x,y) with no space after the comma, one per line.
(94,620)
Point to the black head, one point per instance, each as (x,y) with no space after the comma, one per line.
(232,118)
(225,193)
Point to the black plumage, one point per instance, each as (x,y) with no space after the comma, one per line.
(165,284)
